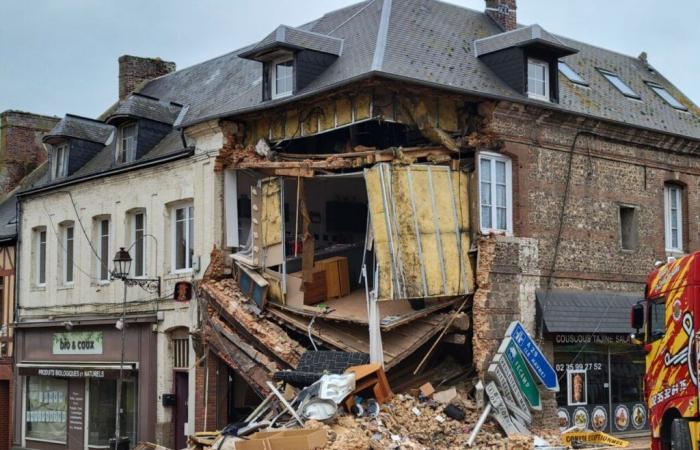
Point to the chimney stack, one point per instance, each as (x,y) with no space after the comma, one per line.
(133,71)
(503,13)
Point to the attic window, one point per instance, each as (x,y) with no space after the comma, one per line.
(60,161)
(616,81)
(126,146)
(664,94)
(537,79)
(571,74)
(282,77)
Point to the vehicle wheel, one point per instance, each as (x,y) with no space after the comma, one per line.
(680,435)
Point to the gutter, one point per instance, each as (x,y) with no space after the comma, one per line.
(434,85)
(124,169)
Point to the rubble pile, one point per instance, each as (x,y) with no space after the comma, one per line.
(408,422)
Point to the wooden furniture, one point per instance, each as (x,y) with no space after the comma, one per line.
(369,376)
(314,292)
(337,276)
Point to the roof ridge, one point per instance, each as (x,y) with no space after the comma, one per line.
(357,13)
(382,32)
(87,119)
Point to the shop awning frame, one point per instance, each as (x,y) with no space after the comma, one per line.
(589,312)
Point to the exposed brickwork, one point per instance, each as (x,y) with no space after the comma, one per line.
(21,149)
(205,394)
(503,12)
(5,414)
(133,71)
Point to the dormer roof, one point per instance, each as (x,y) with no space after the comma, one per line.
(143,106)
(77,127)
(290,38)
(533,36)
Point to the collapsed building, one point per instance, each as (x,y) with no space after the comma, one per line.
(394,174)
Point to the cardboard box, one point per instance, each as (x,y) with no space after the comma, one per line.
(285,440)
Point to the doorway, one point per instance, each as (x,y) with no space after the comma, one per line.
(181,398)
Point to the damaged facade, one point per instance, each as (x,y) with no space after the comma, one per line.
(360,178)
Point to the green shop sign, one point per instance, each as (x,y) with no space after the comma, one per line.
(78,343)
(522,376)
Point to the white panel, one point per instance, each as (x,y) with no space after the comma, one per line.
(231,208)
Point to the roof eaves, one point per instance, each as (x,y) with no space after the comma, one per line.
(141,164)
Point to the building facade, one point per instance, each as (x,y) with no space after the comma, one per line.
(128,181)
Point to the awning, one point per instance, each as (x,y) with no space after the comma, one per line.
(590,312)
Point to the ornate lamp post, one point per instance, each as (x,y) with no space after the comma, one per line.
(122,268)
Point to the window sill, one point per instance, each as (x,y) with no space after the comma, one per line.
(539,97)
(38,288)
(65,287)
(496,232)
(101,283)
(278,96)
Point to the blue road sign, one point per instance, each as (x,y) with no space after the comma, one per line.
(534,356)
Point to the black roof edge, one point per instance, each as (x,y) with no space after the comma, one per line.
(150,97)
(131,116)
(188,151)
(395,77)
(47,137)
(85,118)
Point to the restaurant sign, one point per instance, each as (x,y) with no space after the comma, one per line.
(77,343)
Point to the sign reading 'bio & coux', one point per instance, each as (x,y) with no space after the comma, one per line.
(78,343)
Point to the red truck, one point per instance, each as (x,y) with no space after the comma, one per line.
(668,325)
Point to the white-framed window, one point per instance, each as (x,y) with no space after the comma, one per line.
(126,146)
(183,238)
(495,193)
(68,253)
(282,77)
(138,233)
(59,165)
(103,248)
(537,79)
(40,249)
(673,211)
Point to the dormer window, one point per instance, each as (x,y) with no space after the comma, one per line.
(60,161)
(537,79)
(126,145)
(282,77)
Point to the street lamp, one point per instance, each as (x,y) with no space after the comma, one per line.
(122,268)
(122,264)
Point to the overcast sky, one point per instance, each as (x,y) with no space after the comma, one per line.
(59,56)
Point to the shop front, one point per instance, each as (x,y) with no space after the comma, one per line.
(69,383)
(600,371)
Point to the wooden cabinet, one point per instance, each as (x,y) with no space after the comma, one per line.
(337,276)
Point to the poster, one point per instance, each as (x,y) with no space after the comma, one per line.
(46,416)
(577,387)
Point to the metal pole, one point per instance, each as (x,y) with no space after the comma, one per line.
(117,431)
(610,411)
(479,424)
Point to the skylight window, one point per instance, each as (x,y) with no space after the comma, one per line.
(616,81)
(571,74)
(668,98)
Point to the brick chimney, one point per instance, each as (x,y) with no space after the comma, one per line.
(21,149)
(133,71)
(503,12)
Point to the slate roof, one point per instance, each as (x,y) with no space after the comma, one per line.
(296,38)
(569,311)
(427,42)
(80,128)
(520,37)
(8,218)
(147,107)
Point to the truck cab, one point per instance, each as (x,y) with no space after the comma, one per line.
(667,324)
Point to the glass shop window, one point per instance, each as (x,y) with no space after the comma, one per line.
(582,376)
(47,405)
(627,375)
(102,410)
